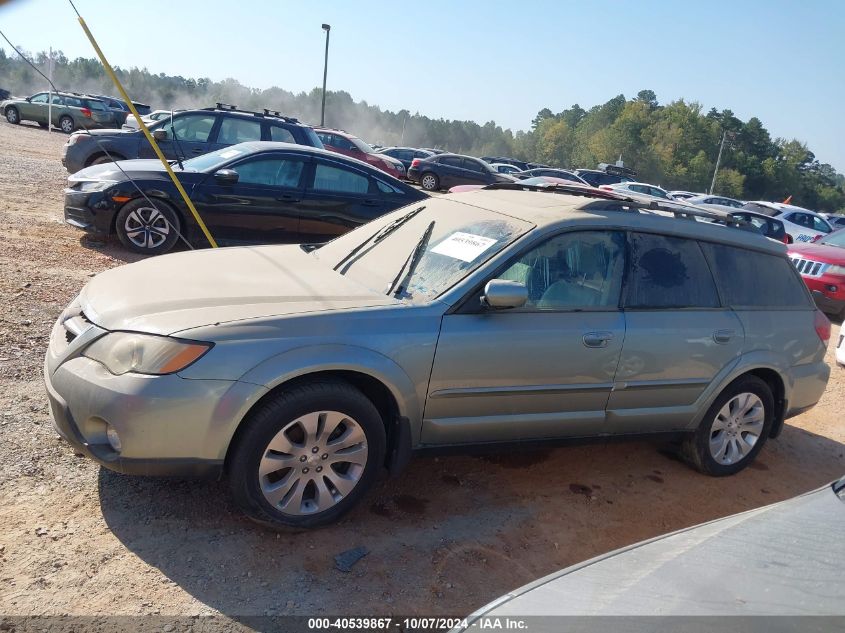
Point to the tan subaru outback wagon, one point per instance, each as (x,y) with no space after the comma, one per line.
(497,316)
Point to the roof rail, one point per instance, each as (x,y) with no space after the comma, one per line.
(634,203)
(228,107)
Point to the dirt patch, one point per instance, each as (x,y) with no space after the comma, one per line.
(445,538)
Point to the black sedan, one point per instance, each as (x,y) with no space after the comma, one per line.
(250,193)
(444,171)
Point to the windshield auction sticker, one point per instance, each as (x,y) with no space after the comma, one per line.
(463,246)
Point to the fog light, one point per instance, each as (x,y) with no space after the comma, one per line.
(831,288)
(113,437)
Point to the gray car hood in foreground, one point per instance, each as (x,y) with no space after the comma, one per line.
(786,559)
(169,293)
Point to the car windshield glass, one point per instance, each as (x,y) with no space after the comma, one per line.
(361,145)
(837,238)
(462,239)
(213,160)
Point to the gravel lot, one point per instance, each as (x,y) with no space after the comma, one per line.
(449,535)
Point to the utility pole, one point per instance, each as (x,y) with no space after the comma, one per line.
(50,92)
(326,28)
(718,160)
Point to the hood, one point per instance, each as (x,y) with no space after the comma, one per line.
(779,560)
(142,168)
(820,252)
(169,293)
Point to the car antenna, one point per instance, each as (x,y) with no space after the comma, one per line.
(178,144)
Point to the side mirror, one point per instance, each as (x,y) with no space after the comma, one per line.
(226,176)
(160,135)
(29,99)
(502,294)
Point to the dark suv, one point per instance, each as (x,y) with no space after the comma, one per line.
(448,170)
(121,110)
(606,175)
(185,135)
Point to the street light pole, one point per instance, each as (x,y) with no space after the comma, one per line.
(718,160)
(326,28)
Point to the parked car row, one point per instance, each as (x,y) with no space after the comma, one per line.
(69,111)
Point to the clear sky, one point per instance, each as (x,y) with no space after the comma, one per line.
(503,60)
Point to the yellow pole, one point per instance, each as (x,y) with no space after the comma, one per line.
(146,132)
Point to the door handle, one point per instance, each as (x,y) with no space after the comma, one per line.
(723,336)
(286,197)
(197,150)
(371,203)
(597,339)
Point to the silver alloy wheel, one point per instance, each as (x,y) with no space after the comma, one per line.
(429,182)
(67,125)
(736,428)
(146,227)
(313,463)
(12,115)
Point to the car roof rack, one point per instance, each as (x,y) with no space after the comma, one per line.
(633,203)
(228,107)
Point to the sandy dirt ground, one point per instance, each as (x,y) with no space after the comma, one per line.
(448,536)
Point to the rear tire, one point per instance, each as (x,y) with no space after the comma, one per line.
(12,115)
(307,455)
(147,229)
(67,125)
(733,430)
(429,181)
(101,160)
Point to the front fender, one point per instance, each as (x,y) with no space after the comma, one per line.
(302,361)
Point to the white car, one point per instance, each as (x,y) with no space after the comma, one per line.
(642,188)
(716,203)
(504,168)
(683,195)
(152,117)
(802,225)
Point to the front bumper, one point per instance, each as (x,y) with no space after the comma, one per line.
(92,212)
(167,425)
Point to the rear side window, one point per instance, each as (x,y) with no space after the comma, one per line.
(668,272)
(451,161)
(233,131)
(335,179)
(96,105)
(755,280)
(281,134)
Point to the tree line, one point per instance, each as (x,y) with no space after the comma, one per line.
(674,145)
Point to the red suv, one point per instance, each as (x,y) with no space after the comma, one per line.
(822,265)
(344,143)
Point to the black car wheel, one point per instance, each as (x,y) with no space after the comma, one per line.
(307,455)
(12,115)
(733,430)
(429,181)
(145,228)
(66,124)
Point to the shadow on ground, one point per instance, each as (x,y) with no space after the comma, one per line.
(451,533)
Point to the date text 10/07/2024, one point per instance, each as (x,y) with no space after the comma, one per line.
(417,624)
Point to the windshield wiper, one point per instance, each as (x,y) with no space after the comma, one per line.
(412,261)
(375,238)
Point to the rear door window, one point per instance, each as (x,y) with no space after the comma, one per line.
(273,172)
(281,134)
(236,130)
(339,180)
(755,280)
(668,272)
(451,161)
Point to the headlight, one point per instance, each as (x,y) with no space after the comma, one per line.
(124,352)
(94,185)
(835,270)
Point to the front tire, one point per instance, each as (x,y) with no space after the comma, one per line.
(67,125)
(101,160)
(145,228)
(430,181)
(12,115)
(733,430)
(307,455)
